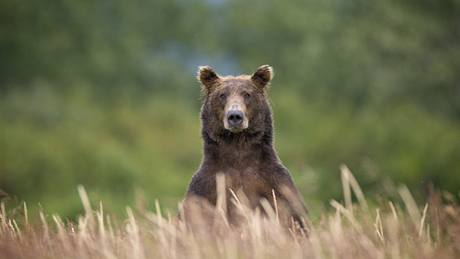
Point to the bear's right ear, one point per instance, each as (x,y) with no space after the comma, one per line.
(208,78)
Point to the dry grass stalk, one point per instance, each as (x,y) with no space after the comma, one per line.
(350,232)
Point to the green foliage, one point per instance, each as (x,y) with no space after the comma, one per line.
(50,143)
(103,94)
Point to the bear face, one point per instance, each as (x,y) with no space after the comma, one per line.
(235,107)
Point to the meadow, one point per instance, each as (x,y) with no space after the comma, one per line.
(393,229)
(103,95)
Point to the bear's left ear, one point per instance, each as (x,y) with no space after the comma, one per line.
(208,78)
(262,76)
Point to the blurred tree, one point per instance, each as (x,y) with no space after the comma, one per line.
(103,93)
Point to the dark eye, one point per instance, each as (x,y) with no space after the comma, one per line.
(222,96)
(246,95)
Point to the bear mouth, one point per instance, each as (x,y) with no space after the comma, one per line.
(235,129)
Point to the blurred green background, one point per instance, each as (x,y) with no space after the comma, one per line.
(103,93)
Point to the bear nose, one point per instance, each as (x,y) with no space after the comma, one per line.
(235,118)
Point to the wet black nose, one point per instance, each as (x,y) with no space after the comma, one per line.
(235,118)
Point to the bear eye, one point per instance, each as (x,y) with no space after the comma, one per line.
(246,95)
(222,96)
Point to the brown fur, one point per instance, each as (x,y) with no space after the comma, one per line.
(247,158)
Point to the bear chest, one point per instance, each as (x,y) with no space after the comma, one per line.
(249,180)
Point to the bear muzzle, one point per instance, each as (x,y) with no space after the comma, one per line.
(235,120)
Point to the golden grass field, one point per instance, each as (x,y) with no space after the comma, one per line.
(402,229)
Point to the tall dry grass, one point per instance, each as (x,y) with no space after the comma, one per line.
(352,231)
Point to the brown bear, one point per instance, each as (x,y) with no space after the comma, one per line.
(237,132)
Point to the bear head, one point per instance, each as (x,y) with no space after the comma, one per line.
(235,107)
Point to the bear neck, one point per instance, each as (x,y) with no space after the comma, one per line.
(242,150)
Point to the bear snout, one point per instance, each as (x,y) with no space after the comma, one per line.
(235,118)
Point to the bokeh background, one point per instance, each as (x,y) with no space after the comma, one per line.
(103,93)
